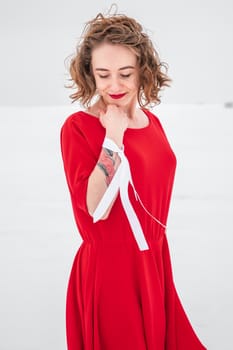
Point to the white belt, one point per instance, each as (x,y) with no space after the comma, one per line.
(120,181)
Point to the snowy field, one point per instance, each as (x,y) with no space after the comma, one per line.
(38,237)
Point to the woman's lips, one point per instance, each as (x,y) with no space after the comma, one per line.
(117,96)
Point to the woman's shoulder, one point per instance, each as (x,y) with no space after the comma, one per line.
(73,119)
(80,119)
(81,126)
(150,113)
(155,119)
(152,116)
(79,122)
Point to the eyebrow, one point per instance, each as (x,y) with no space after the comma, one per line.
(122,68)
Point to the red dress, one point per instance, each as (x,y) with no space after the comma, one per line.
(121,298)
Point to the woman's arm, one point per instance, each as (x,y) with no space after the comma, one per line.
(115,122)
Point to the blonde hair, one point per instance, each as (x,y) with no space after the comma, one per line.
(122,30)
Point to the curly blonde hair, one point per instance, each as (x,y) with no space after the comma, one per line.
(122,30)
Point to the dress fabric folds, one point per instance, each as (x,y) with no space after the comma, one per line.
(119,297)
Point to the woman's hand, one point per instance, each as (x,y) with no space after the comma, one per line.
(115,121)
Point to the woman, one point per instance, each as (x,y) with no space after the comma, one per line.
(120,170)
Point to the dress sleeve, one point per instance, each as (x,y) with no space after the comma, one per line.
(78,160)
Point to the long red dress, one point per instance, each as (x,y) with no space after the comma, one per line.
(121,298)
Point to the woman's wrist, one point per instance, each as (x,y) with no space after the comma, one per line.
(117,139)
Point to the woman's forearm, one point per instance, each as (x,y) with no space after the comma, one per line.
(100,179)
(115,121)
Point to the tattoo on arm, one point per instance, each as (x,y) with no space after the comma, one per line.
(107,163)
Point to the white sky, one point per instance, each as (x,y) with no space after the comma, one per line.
(194,37)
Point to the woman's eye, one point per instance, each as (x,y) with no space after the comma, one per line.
(125,75)
(103,76)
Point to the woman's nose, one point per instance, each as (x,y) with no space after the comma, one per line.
(115,85)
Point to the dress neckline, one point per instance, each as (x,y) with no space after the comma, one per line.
(128,129)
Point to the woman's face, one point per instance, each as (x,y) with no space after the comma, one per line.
(116,74)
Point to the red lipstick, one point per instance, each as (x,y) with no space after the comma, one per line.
(116,97)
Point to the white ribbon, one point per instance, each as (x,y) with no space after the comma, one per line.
(120,181)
